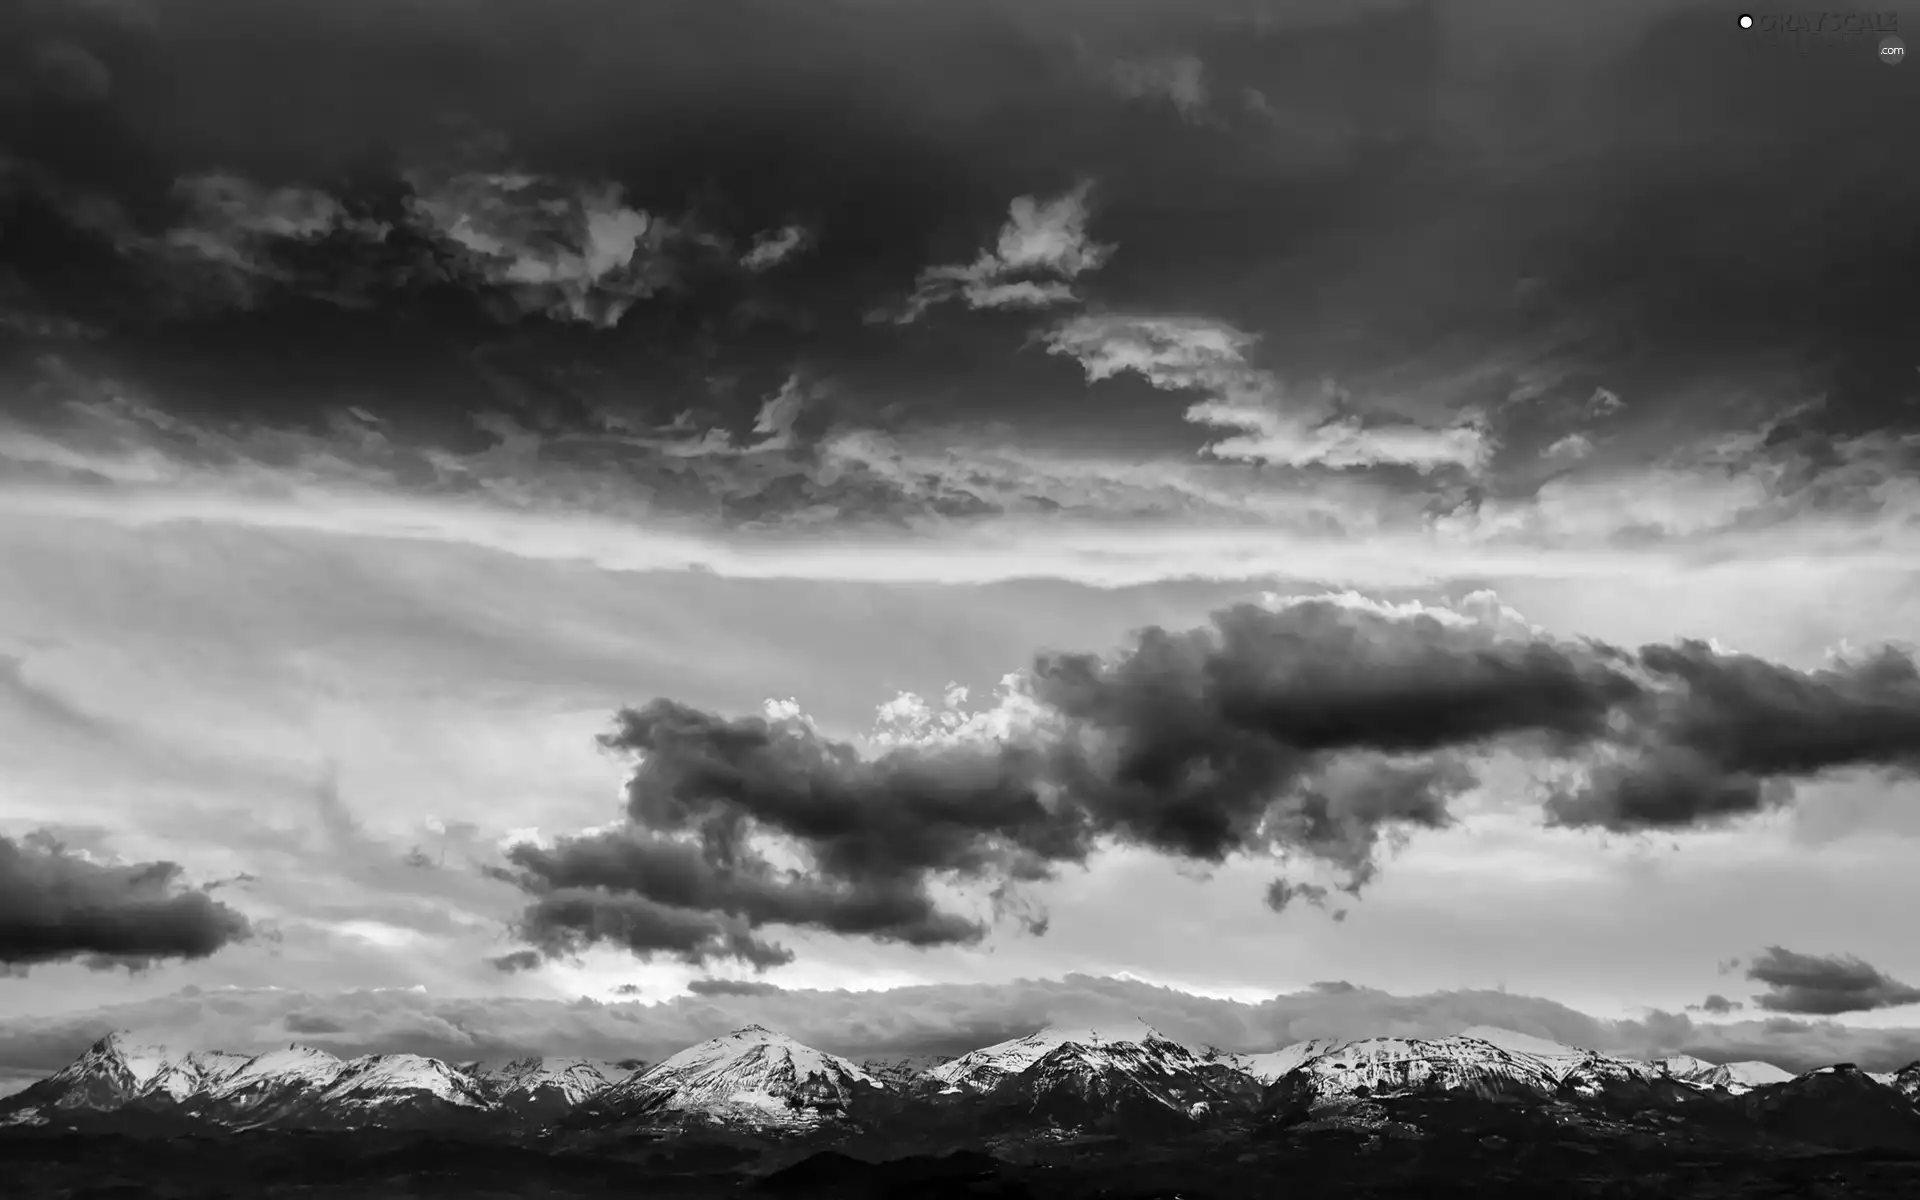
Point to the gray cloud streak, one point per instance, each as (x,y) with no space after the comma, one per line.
(1825,985)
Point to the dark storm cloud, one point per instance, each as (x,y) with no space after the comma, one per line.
(1719,735)
(653,894)
(1824,985)
(1322,729)
(1521,196)
(57,905)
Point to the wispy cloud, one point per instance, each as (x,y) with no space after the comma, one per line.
(236,228)
(572,251)
(810,494)
(1177,79)
(1043,247)
(1278,426)
(775,246)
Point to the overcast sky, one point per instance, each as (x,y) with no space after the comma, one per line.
(575,526)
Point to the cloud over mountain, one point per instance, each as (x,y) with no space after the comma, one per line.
(943,1018)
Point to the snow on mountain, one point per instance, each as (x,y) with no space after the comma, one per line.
(758,1078)
(984,1069)
(387,1089)
(1399,1066)
(375,1078)
(1071,1076)
(543,1086)
(265,1086)
(179,1078)
(1272,1064)
(1906,1081)
(1586,1072)
(1737,1078)
(904,1068)
(752,1076)
(106,1075)
(1685,1067)
(1742,1077)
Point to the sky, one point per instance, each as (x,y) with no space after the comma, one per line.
(574,527)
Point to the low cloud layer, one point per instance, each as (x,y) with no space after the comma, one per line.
(1317,729)
(57,905)
(1825,984)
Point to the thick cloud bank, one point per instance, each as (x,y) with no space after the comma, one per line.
(1314,729)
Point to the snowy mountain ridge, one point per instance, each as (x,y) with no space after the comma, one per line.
(1066,1075)
(982,1069)
(537,1085)
(757,1078)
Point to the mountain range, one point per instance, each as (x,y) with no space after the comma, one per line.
(758,1081)
(1102,1113)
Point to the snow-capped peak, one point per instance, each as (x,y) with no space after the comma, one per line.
(1270,1065)
(110,1072)
(1738,1077)
(182,1077)
(119,1069)
(377,1077)
(753,1075)
(1587,1072)
(1073,1074)
(1684,1067)
(754,1043)
(983,1068)
(272,1075)
(555,1083)
(137,1062)
(1377,1066)
(1907,1081)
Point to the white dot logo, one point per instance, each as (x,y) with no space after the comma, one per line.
(1746,21)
